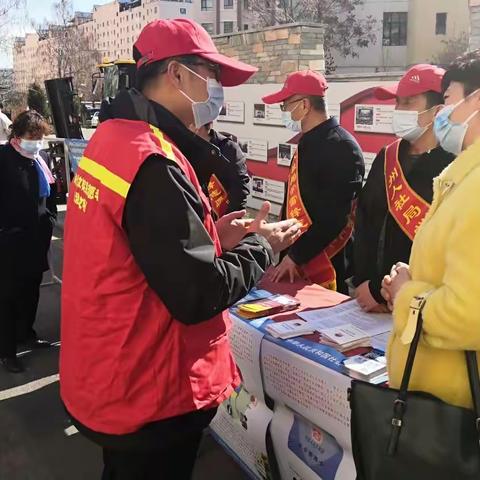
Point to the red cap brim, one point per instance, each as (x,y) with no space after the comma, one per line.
(233,71)
(278,97)
(386,93)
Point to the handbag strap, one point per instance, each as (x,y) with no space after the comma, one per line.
(400,403)
(474,379)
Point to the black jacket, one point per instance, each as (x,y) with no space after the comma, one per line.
(26,221)
(330,172)
(170,243)
(232,172)
(379,241)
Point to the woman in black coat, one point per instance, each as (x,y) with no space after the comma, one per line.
(27,216)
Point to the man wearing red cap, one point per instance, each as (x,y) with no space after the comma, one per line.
(325,176)
(399,189)
(148,276)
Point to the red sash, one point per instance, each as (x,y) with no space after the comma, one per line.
(320,269)
(218,196)
(404,204)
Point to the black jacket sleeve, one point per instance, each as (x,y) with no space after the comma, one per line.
(370,220)
(327,196)
(163,220)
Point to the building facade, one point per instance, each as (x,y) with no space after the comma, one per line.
(408,32)
(113,28)
(474,38)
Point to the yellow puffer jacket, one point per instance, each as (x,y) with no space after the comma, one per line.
(445,261)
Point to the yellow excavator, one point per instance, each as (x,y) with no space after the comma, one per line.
(114,76)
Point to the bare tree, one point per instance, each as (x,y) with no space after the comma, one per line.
(67,47)
(345,30)
(8,8)
(452,49)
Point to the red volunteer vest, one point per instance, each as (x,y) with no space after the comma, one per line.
(125,361)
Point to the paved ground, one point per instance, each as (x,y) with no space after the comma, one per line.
(33,441)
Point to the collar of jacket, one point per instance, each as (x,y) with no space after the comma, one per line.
(467,161)
(133,105)
(321,129)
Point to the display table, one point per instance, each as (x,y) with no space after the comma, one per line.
(291,418)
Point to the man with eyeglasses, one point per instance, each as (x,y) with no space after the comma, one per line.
(326,174)
(148,275)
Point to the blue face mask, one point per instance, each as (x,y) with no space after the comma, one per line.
(451,135)
(290,123)
(208,110)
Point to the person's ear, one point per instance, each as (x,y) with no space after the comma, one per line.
(175,74)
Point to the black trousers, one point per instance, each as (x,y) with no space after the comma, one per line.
(18,310)
(163,450)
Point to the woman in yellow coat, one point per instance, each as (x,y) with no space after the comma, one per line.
(444,271)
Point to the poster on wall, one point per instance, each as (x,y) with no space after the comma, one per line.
(369,157)
(266,189)
(267,114)
(254,149)
(285,154)
(373,118)
(233,112)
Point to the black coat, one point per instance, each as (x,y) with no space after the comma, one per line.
(379,241)
(26,221)
(330,173)
(232,173)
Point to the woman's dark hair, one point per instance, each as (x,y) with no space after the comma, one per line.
(30,122)
(465,70)
(434,98)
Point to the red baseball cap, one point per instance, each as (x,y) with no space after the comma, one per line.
(306,82)
(163,39)
(419,79)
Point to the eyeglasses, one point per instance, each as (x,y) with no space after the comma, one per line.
(212,67)
(284,106)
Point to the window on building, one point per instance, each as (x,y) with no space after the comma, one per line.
(227,4)
(395,29)
(441,24)
(155,10)
(227,27)
(208,27)
(207,4)
(246,4)
(245,26)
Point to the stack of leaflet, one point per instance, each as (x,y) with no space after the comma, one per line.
(367,369)
(344,337)
(267,306)
(289,329)
(369,329)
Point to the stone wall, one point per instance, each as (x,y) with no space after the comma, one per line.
(276,51)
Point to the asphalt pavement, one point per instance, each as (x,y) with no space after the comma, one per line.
(37,441)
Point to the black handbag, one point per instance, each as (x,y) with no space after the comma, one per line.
(406,435)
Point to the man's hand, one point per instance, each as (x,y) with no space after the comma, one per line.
(286,268)
(232,228)
(280,235)
(364,297)
(391,285)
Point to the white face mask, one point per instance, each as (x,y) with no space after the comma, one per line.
(32,147)
(208,110)
(288,122)
(405,124)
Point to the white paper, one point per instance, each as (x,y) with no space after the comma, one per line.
(246,342)
(267,114)
(232,112)
(316,392)
(380,342)
(242,422)
(374,118)
(285,152)
(350,312)
(307,452)
(344,334)
(254,149)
